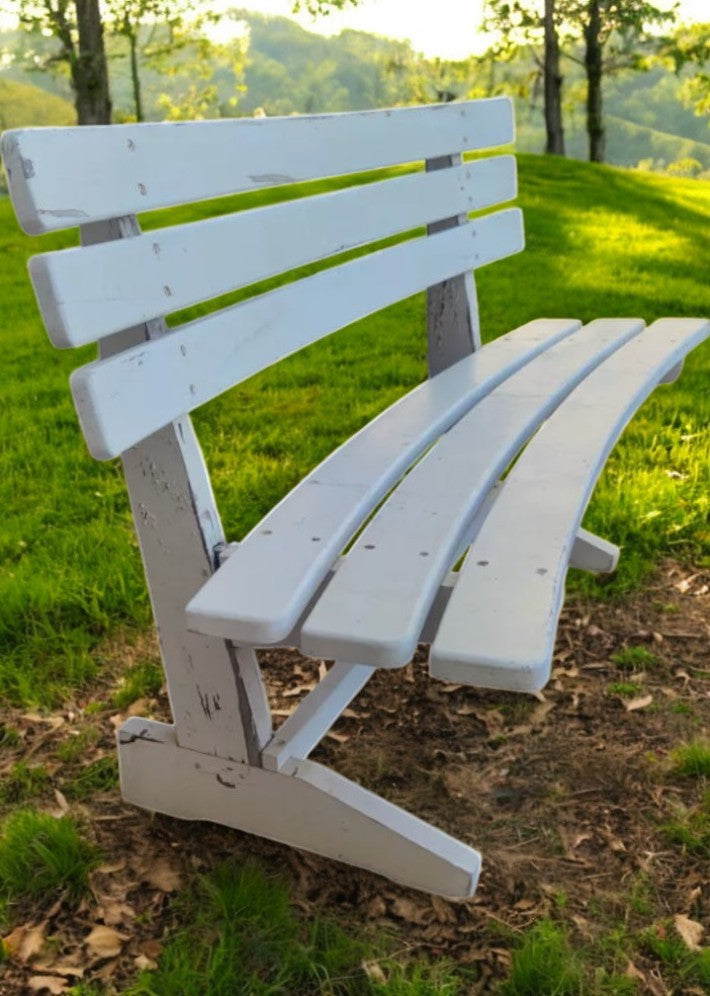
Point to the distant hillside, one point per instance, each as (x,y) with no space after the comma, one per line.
(628,144)
(24,105)
(290,70)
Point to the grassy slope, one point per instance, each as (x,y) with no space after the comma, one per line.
(600,242)
(23,105)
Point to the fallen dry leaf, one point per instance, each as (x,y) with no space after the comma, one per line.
(104,942)
(633,973)
(443,910)
(340,738)
(373,971)
(406,909)
(61,801)
(26,941)
(47,984)
(111,867)
(640,702)
(142,962)
(690,930)
(114,911)
(164,876)
(151,947)
(12,941)
(376,907)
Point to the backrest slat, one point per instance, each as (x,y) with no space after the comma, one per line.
(60,178)
(122,399)
(88,293)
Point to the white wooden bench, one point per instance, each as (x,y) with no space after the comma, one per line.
(439,453)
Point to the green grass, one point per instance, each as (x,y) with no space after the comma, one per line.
(544,964)
(241,937)
(22,783)
(692,760)
(689,828)
(634,659)
(681,966)
(99,776)
(600,242)
(624,689)
(41,856)
(141,681)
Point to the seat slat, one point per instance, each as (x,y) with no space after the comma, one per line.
(86,293)
(124,398)
(499,628)
(260,591)
(375,606)
(63,177)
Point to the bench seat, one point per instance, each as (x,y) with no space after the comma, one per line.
(518,562)
(287,581)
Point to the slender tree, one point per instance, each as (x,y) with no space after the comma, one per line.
(527,23)
(154,30)
(552,83)
(77,26)
(613,32)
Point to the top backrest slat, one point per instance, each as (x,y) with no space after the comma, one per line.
(64,177)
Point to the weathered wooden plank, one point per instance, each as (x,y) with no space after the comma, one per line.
(121,400)
(315,715)
(85,295)
(217,699)
(517,573)
(453,325)
(374,608)
(310,807)
(259,593)
(593,553)
(63,177)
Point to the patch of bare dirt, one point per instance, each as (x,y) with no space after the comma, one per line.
(565,794)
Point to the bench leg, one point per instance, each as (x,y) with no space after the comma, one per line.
(592,553)
(310,807)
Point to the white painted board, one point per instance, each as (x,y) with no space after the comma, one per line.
(123,399)
(87,293)
(259,593)
(64,177)
(499,627)
(375,606)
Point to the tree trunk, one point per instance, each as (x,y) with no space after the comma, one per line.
(135,76)
(593,65)
(89,71)
(555,143)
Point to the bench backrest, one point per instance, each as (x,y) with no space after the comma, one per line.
(101,177)
(118,286)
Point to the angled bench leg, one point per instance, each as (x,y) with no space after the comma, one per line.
(592,553)
(216,694)
(310,807)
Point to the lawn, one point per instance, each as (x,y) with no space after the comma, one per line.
(601,242)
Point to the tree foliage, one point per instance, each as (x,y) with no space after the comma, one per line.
(688,48)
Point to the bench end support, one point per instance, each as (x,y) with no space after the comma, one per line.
(309,806)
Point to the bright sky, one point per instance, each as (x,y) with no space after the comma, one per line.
(448,28)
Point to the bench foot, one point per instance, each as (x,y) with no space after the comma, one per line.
(592,553)
(310,807)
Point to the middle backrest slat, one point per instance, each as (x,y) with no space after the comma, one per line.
(123,398)
(90,292)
